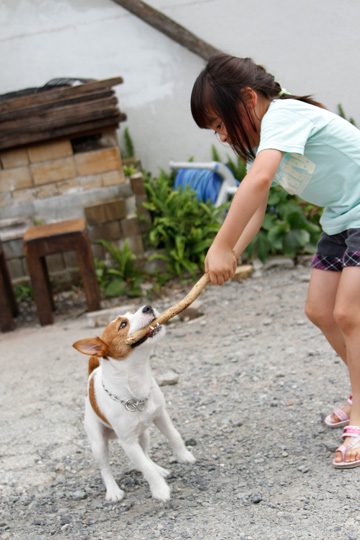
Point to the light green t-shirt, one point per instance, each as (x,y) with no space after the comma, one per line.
(321,161)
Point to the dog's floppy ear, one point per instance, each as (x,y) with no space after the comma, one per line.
(92,346)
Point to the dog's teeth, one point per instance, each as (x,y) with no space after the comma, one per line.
(152,328)
(157,324)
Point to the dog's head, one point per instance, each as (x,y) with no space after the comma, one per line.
(112,342)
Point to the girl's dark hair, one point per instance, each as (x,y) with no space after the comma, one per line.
(219,90)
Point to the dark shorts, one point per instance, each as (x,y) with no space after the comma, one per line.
(336,251)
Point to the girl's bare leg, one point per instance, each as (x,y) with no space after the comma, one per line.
(320,307)
(347,316)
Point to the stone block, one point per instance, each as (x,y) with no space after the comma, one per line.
(53,171)
(98,251)
(15,228)
(106,212)
(12,179)
(68,185)
(131,205)
(140,208)
(106,231)
(17,157)
(70,259)
(16,268)
(130,226)
(137,184)
(47,191)
(55,262)
(23,196)
(13,249)
(113,178)
(48,151)
(93,181)
(136,245)
(98,161)
(6,199)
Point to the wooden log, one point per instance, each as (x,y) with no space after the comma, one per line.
(171,312)
(78,130)
(56,94)
(30,110)
(59,123)
(60,116)
(170,28)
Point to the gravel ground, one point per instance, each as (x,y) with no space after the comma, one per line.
(256,380)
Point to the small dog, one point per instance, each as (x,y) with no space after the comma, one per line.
(123,399)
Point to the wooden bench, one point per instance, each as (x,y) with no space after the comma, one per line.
(43,240)
(8,305)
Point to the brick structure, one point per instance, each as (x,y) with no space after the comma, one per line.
(72,176)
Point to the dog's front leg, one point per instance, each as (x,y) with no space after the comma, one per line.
(99,440)
(165,425)
(144,440)
(159,488)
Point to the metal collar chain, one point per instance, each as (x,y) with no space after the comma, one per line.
(131,404)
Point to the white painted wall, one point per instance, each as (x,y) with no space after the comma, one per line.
(311,47)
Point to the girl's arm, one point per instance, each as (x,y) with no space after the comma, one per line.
(220,262)
(251,229)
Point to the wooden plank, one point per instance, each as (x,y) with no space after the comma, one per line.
(43,107)
(59,122)
(169,27)
(81,129)
(49,96)
(60,115)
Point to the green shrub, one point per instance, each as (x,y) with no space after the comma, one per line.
(342,114)
(181,225)
(238,167)
(23,292)
(290,227)
(129,150)
(127,278)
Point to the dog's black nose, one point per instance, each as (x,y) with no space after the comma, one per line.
(149,310)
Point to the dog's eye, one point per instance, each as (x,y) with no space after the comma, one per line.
(123,324)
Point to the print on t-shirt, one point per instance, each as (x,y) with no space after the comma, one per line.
(294,173)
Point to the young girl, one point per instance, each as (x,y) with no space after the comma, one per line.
(310,152)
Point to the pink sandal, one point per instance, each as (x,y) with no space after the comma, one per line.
(349,431)
(344,419)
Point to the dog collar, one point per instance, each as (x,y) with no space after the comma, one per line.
(131,404)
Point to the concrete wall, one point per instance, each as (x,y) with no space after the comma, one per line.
(311,47)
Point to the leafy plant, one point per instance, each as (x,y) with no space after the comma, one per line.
(127,278)
(286,228)
(23,292)
(129,150)
(181,225)
(238,167)
(129,170)
(342,114)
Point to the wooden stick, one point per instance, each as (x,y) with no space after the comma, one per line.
(172,311)
(169,27)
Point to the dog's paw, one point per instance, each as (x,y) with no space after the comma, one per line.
(114,494)
(185,457)
(164,472)
(161,491)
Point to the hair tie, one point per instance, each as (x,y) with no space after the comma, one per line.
(283,91)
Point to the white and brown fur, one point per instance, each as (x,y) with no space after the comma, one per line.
(125,372)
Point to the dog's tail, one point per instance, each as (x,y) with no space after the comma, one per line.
(94,362)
